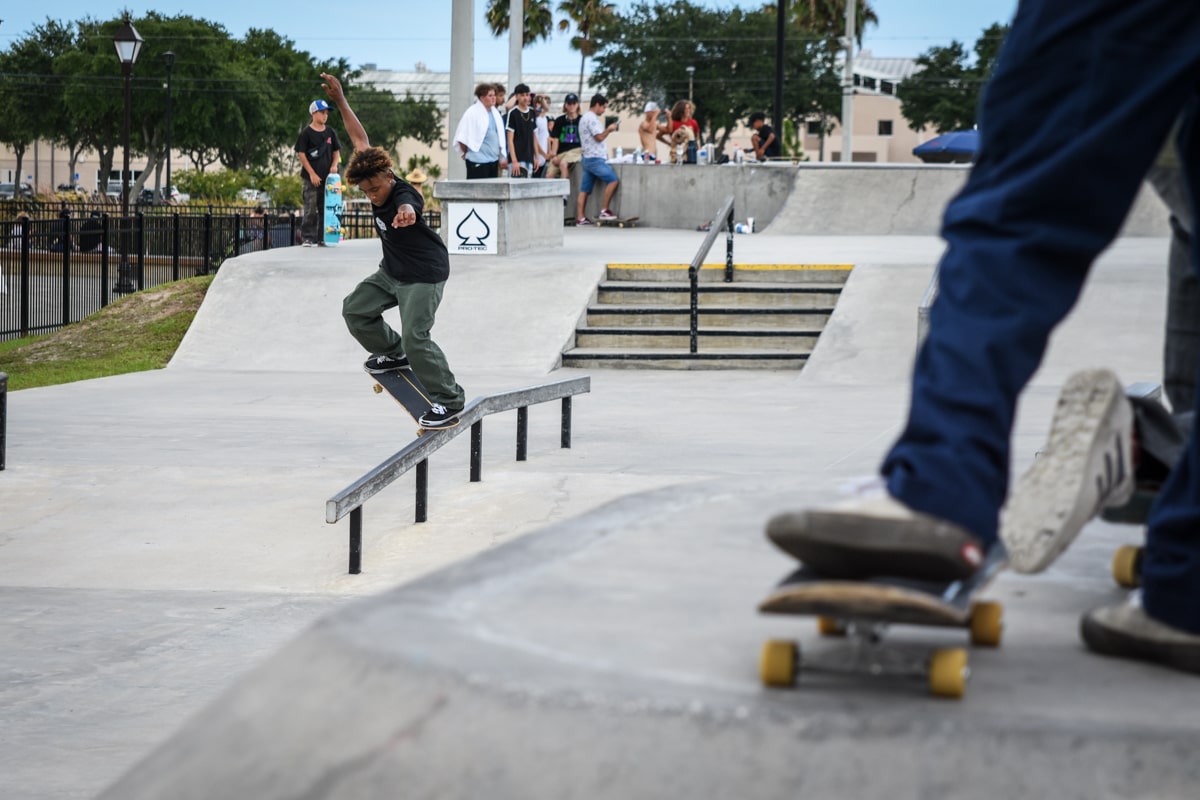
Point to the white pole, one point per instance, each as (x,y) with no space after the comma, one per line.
(462,79)
(848,87)
(516,39)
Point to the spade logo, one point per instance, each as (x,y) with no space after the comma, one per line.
(472,232)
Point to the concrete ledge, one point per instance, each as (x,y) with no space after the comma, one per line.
(530,211)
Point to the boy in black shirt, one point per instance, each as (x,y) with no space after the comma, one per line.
(410,277)
(319,153)
(764,140)
(564,139)
(522,139)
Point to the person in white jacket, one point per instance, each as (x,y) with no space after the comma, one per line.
(480,136)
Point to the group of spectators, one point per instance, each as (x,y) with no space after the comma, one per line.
(500,136)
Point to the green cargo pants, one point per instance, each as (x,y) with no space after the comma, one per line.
(418,303)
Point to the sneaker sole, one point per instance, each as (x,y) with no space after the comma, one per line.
(406,368)
(838,545)
(1049,505)
(1109,641)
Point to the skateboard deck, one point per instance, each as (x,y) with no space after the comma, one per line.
(333,210)
(406,390)
(624,222)
(863,610)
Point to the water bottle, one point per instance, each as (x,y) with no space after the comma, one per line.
(691,152)
(620,152)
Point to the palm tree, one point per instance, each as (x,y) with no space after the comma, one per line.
(539,20)
(589,16)
(827,18)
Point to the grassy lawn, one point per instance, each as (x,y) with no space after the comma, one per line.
(138,332)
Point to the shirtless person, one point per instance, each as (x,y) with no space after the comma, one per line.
(651,133)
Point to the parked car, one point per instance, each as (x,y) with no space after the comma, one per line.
(254,196)
(8,191)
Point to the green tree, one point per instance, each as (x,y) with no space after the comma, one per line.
(826,19)
(644,58)
(539,20)
(32,93)
(946,92)
(589,17)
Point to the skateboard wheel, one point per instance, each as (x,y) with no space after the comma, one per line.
(987,623)
(777,664)
(1127,566)
(377,388)
(948,672)
(830,626)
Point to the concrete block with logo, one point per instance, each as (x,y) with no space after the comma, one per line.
(501,216)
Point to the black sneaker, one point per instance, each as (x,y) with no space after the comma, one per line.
(439,417)
(1126,631)
(376,364)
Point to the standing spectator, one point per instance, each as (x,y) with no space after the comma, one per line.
(763,140)
(479,135)
(685,131)
(564,139)
(593,132)
(522,134)
(18,228)
(542,107)
(319,153)
(651,132)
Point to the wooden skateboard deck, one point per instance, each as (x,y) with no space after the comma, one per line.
(863,610)
(333,210)
(406,390)
(625,222)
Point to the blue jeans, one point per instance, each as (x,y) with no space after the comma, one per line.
(593,169)
(1083,96)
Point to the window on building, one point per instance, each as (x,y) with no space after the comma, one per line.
(885,127)
(887,87)
(814,127)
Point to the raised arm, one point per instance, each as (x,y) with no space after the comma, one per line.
(358,134)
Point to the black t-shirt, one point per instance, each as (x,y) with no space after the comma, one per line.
(566,130)
(773,149)
(415,253)
(523,124)
(319,147)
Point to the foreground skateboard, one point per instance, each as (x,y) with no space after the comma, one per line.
(333,210)
(862,611)
(406,390)
(624,222)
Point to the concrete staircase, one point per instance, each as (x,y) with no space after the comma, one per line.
(769,317)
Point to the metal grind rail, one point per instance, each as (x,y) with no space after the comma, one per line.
(724,218)
(416,454)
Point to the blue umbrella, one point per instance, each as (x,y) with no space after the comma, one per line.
(956,147)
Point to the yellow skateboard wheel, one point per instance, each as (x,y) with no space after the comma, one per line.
(777,663)
(829,626)
(377,388)
(948,672)
(987,623)
(1127,566)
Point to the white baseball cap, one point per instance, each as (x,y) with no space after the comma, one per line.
(651,106)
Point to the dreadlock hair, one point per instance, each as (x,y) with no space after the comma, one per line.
(367,164)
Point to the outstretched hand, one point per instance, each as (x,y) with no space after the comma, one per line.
(332,87)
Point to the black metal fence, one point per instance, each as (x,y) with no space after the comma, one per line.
(58,264)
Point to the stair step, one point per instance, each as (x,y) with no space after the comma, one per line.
(815,295)
(677,358)
(765,339)
(742,273)
(611,316)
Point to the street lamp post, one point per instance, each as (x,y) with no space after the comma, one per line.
(170,57)
(690,71)
(129,44)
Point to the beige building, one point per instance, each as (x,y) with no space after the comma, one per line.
(881,134)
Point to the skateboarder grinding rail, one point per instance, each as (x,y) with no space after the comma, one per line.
(411,276)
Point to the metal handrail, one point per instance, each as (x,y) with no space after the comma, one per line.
(416,454)
(724,217)
(927,299)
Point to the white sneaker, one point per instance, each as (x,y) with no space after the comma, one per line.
(1086,465)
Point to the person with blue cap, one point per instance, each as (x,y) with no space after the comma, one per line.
(319,153)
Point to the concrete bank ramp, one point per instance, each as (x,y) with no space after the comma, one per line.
(901,199)
(615,654)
